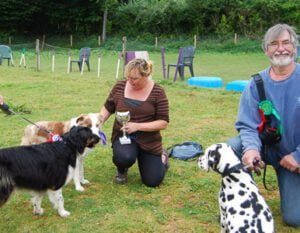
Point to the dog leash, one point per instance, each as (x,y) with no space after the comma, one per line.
(227,171)
(53,137)
(264,180)
(6,109)
(255,163)
(265,173)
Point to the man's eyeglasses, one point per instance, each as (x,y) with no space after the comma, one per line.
(273,46)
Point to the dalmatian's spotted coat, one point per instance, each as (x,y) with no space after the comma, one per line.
(242,208)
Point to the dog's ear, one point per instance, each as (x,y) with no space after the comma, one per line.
(211,160)
(214,158)
(218,146)
(80,119)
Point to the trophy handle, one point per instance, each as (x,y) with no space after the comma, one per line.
(124,132)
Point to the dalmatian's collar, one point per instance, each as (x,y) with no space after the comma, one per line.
(227,171)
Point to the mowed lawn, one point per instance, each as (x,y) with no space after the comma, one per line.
(187,199)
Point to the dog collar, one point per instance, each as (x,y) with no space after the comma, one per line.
(55,138)
(227,171)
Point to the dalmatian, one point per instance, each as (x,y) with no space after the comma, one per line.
(242,207)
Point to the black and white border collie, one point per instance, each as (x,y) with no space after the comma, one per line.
(45,167)
(36,135)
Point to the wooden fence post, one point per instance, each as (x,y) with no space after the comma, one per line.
(124,43)
(163,61)
(195,41)
(118,65)
(23,59)
(99,64)
(156,40)
(123,54)
(71,40)
(99,41)
(235,40)
(9,40)
(177,65)
(43,41)
(69,62)
(38,59)
(53,60)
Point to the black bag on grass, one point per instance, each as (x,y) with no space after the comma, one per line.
(186,150)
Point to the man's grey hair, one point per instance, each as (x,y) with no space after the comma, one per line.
(274,32)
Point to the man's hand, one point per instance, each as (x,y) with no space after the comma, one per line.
(251,159)
(290,163)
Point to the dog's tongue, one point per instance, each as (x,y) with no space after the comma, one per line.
(102,137)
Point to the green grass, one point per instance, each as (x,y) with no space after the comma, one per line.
(187,199)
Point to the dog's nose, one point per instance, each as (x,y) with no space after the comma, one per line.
(96,138)
(93,141)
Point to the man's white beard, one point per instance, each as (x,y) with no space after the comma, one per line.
(282,61)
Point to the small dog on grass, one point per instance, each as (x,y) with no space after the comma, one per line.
(242,208)
(45,167)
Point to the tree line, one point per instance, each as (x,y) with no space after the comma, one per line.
(141,17)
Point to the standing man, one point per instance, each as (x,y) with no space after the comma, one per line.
(281,82)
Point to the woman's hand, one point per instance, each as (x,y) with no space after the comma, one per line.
(131,127)
(152,126)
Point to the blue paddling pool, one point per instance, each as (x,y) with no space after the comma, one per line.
(206,81)
(238,85)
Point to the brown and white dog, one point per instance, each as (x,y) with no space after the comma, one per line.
(36,135)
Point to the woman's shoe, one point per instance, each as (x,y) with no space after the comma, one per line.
(165,159)
(121,177)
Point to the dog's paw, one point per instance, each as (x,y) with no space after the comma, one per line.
(79,188)
(64,213)
(84,181)
(38,211)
